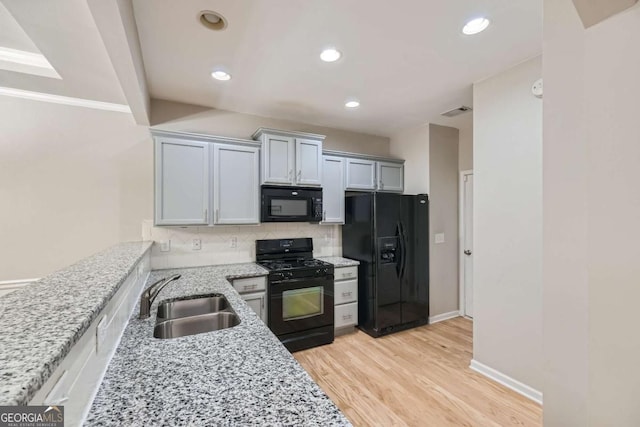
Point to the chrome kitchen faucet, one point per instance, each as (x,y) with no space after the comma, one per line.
(150,294)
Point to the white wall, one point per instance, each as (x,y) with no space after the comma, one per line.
(592,206)
(73,181)
(508,224)
(465,149)
(413,146)
(443,218)
(190,118)
(565,328)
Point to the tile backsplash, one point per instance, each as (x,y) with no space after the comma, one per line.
(217,242)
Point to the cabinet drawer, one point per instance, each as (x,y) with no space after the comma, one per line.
(250,284)
(344,273)
(346,291)
(346,315)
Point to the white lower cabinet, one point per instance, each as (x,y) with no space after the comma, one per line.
(254,291)
(345,298)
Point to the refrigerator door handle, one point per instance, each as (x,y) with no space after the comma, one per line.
(403,246)
(400,255)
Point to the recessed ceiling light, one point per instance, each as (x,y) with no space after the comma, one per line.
(221,75)
(352,104)
(330,55)
(212,20)
(475,26)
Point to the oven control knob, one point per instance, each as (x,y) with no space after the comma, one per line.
(289,274)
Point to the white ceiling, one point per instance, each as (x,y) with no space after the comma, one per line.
(65,33)
(406,62)
(12,35)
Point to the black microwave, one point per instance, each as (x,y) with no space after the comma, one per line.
(291,204)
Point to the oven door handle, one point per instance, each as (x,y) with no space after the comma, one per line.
(313,281)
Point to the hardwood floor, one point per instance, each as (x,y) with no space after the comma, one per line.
(419,377)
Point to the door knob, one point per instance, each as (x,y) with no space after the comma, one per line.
(467,252)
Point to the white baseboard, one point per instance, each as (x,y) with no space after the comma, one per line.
(444,316)
(507,381)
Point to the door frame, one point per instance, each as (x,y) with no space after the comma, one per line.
(461,238)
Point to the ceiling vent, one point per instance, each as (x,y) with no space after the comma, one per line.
(457,111)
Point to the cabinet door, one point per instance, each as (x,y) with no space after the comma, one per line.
(390,177)
(258,303)
(278,160)
(361,174)
(332,190)
(236,184)
(308,162)
(181,182)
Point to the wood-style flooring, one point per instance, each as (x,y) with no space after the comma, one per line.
(419,377)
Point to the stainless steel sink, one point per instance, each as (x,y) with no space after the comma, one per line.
(192,325)
(191,306)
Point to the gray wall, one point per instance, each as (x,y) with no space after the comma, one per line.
(443,209)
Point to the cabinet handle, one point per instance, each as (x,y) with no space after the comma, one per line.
(381,185)
(299,174)
(324,215)
(206,215)
(250,287)
(290,174)
(262,302)
(346,294)
(217,212)
(347,316)
(348,274)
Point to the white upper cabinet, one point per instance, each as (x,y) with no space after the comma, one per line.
(278,160)
(390,177)
(181,182)
(333,189)
(361,174)
(290,158)
(236,184)
(308,162)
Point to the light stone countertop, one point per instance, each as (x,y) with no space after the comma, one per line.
(41,322)
(339,261)
(242,375)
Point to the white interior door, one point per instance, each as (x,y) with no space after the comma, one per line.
(467,247)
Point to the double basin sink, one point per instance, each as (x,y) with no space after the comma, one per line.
(192,315)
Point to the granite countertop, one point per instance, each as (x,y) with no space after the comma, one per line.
(41,322)
(338,261)
(242,375)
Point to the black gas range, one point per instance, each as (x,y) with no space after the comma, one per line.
(300,292)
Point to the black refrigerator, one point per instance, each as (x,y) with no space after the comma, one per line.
(389,234)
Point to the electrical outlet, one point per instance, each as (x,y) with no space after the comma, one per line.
(196,245)
(165,246)
(439,237)
(233,243)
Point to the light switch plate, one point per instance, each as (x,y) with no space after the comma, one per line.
(439,238)
(165,246)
